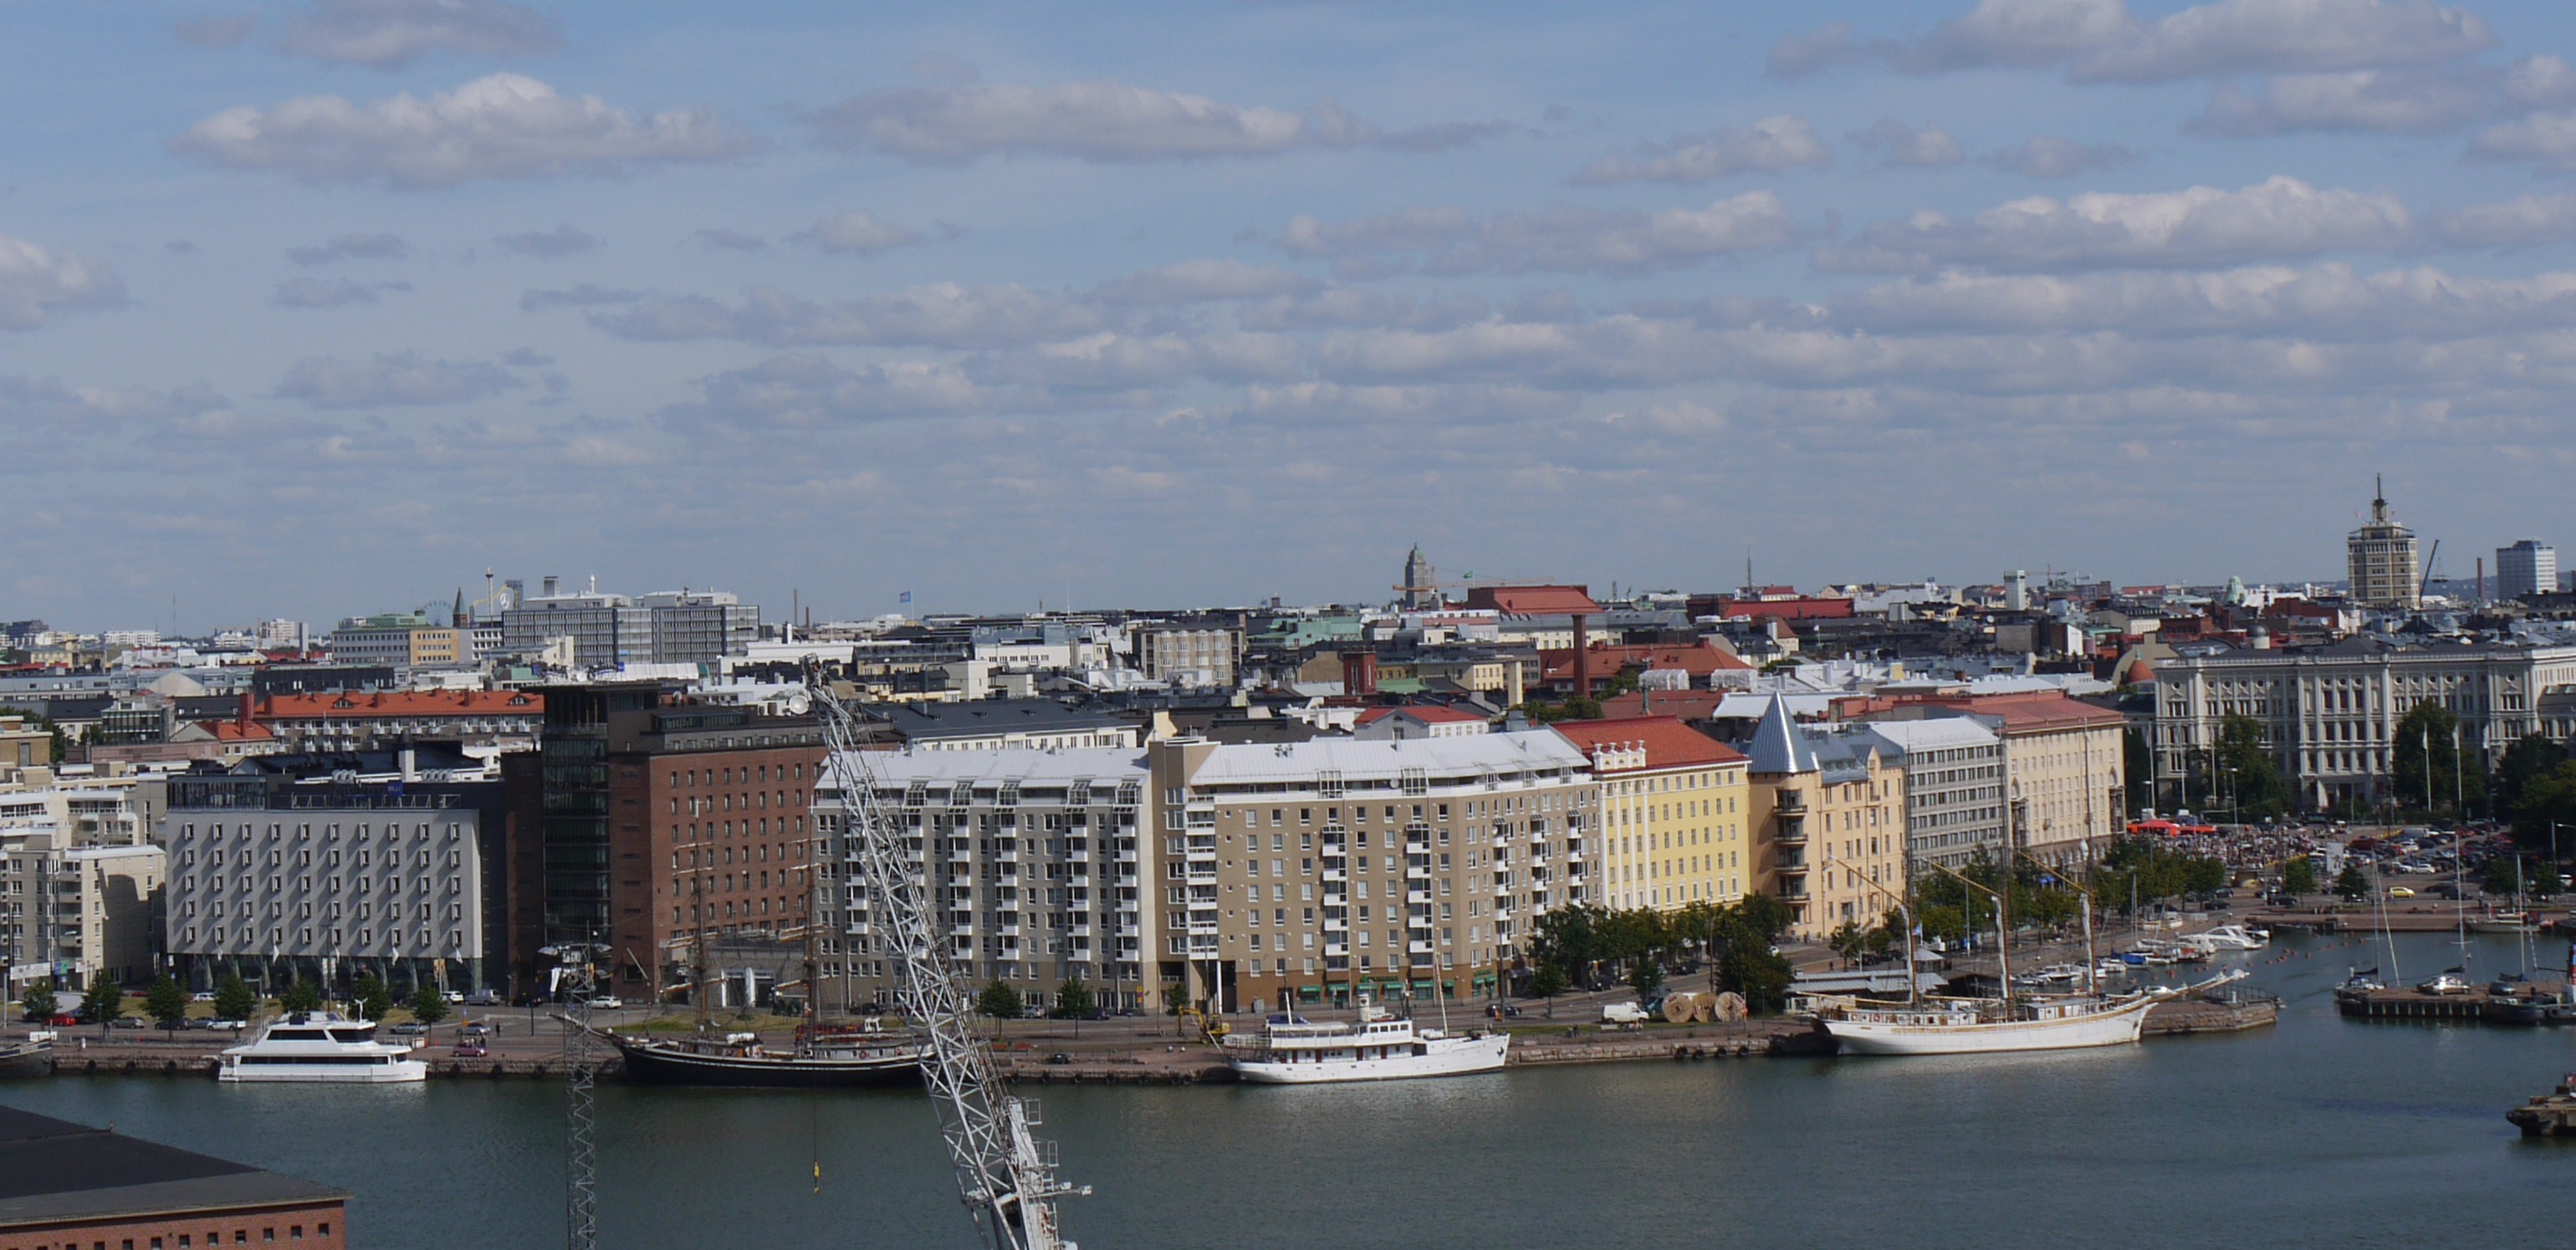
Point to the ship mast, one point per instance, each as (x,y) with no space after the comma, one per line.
(1004,1174)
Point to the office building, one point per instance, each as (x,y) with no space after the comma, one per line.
(2380,561)
(672,627)
(2529,567)
(1955,801)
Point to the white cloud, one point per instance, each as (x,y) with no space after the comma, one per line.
(2547,140)
(1202,281)
(1095,121)
(400,378)
(1899,144)
(391,34)
(2522,221)
(2540,82)
(335,293)
(1768,146)
(2101,41)
(2279,217)
(497,127)
(2052,156)
(939,315)
(1571,240)
(856,232)
(351,247)
(586,295)
(2369,100)
(35,281)
(1109,361)
(1796,56)
(564,240)
(2323,302)
(804,392)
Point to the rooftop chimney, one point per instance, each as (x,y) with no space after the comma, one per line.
(551,582)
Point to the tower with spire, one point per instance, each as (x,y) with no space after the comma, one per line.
(1418,592)
(2380,559)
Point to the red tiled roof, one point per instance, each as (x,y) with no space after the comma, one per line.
(390,703)
(1533,600)
(1429,714)
(1698,661)
(1668,742)
(1685,704)
(2037,711)
(235,731)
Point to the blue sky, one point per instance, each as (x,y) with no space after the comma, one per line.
(327,306)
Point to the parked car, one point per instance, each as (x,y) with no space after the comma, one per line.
(2399,891)
(471,1050)
(454,997)
(202,996)
(128,1022)
(483,998)
(606,1002)
(62,1020)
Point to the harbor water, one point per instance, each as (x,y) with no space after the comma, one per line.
(2320,1132)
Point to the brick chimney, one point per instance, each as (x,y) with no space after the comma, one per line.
(1582,656)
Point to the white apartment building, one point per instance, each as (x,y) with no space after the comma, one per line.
(325,877)
(67,913)
(1955,799)
(1029,858)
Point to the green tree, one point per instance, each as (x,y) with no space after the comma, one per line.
(38,1002)
(1746,963)
(2141,769)
(1848,941)
(2242,775)
(428,1005)
(2545,880)
(2525,762)
(300,995)
(2544,819)
(2503,874)
(2298,876)
(2428,770)
(166,1002)
(103,1001)
(1073,1001)
(2351,885)
(233,999)
(1547,983)
(373,1000)
(1570,937)
(1646,977)
(999,1001)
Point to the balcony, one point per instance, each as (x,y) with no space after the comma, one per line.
(1417,896)
(1789,800)
(1417,846)
(1418,948)
(1337,950)
(1337,926)
(1793,829)
(1335,876)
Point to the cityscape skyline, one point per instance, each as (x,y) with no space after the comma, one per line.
(794,300)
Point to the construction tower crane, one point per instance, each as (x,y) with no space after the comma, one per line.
(575,981)
(1005,1175)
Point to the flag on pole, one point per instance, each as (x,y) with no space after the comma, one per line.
(905,597)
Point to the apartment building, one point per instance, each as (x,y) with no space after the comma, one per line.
(1831,836)
(1030,860)
(1314,869)
(324,867)
(1190,653)
(1956,806)
(398,640)
(1676,819)
(656,827)
(2330,714)
(69,912)
(376,720)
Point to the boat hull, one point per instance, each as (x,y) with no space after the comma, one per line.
(646,1064)
(26,1059)
(1446,1057)
(399,1072)
(2119,1026)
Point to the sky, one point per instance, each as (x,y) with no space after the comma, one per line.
(326,307)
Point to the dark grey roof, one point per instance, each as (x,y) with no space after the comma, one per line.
(917,722)
(56,1170)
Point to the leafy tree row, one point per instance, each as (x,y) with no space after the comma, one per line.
(1574,943)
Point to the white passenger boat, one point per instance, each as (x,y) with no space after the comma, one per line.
(2228,937)
(1290,1051)
(321,1046)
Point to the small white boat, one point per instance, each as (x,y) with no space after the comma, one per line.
(2111,967)
(2226,937)
(321,1046)
(1290,1051)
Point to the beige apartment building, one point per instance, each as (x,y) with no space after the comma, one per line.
(1309,870)
(1831,836)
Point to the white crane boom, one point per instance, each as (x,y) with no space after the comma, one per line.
(1005,1175)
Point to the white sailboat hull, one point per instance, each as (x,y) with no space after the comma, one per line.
(2116,1026)
(1446,1056)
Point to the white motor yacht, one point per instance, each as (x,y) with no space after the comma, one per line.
(1290,1051)
(321,1046)
(2227,937)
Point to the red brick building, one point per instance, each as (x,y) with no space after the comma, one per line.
(66,1186)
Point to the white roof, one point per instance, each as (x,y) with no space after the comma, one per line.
(1472,755)
(1939,733)
(1028,766)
